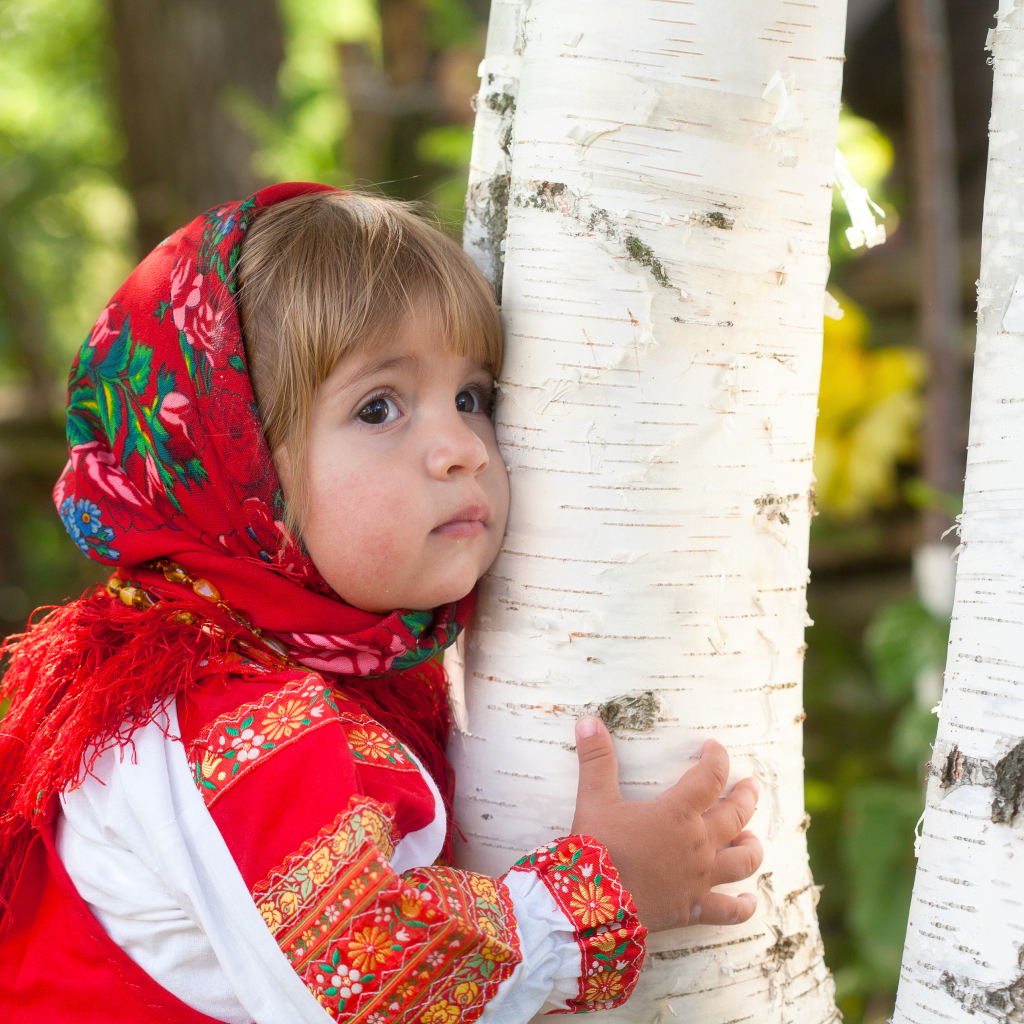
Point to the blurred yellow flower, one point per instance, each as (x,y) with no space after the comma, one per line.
(869,410)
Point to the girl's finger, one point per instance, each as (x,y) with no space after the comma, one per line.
(717,908)
(727,818)
(702,785)
(599,771)
(738,861)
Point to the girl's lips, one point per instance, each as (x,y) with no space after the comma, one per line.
(469,522)
(460,528)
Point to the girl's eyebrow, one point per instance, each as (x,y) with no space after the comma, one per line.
(373,368)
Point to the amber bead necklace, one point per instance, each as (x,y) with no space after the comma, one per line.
(133,595)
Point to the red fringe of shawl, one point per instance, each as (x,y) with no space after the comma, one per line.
(86,675)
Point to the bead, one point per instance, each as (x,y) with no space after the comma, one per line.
(142,600)
(276,646)
(185,618)
(206,590)
(174,573)
(127,595)
(114,585)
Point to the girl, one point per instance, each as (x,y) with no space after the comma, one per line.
(223,789)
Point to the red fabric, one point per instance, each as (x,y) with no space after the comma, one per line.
(311,796)
(291,792)
(579,874)
(168,459)
(58,964)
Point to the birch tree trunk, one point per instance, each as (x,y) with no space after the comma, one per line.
(650,187)
(964,958)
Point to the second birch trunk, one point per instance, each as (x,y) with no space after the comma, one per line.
(964,957)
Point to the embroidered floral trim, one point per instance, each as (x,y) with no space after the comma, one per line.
(431,946)
(584,883)
(373,744)
(231,745)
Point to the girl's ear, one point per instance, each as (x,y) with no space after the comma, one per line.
(283,466)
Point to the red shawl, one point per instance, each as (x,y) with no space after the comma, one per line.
(168,459)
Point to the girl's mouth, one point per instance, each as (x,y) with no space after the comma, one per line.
(468,522)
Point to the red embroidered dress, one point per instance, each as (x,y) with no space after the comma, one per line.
(248,842)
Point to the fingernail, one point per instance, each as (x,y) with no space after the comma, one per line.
(757,787)
(586,727)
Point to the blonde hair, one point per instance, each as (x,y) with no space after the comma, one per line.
(326,274)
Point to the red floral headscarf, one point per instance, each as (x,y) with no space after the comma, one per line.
(168,458)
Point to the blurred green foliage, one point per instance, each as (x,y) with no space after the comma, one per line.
(867,739)
(66,233)
(305,141)
(65,221)
(66,242)
(874,663)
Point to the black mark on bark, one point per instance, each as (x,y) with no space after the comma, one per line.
(786,947)
(1006,778)
(957,769)
(502,103)
(772,506)
(556,198)
(1004,1003)
(488,200)
(717,220)
(643,254)
(635,712)
(1009,786)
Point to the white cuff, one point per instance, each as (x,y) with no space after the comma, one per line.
(552,964)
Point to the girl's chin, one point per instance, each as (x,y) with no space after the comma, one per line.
(427,603)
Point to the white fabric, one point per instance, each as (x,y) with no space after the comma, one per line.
(140,831)
(421,848)
(144,853)
(550,970)
(141,916)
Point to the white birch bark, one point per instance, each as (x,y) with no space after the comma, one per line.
(964,958)
(663,286)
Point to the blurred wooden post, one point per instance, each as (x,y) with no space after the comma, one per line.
(177,63)
(923,26)
(379,95)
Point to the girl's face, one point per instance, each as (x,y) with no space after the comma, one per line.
(407,493)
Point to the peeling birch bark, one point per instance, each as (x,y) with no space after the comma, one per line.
(651,186)
(964,957)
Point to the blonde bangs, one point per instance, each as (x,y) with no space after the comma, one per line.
(324,275)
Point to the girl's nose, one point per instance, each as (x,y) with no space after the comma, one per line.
(455,448)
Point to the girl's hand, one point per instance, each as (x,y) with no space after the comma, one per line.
(670,851)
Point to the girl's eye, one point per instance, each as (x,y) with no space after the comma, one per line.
(468,401)
(378,410)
